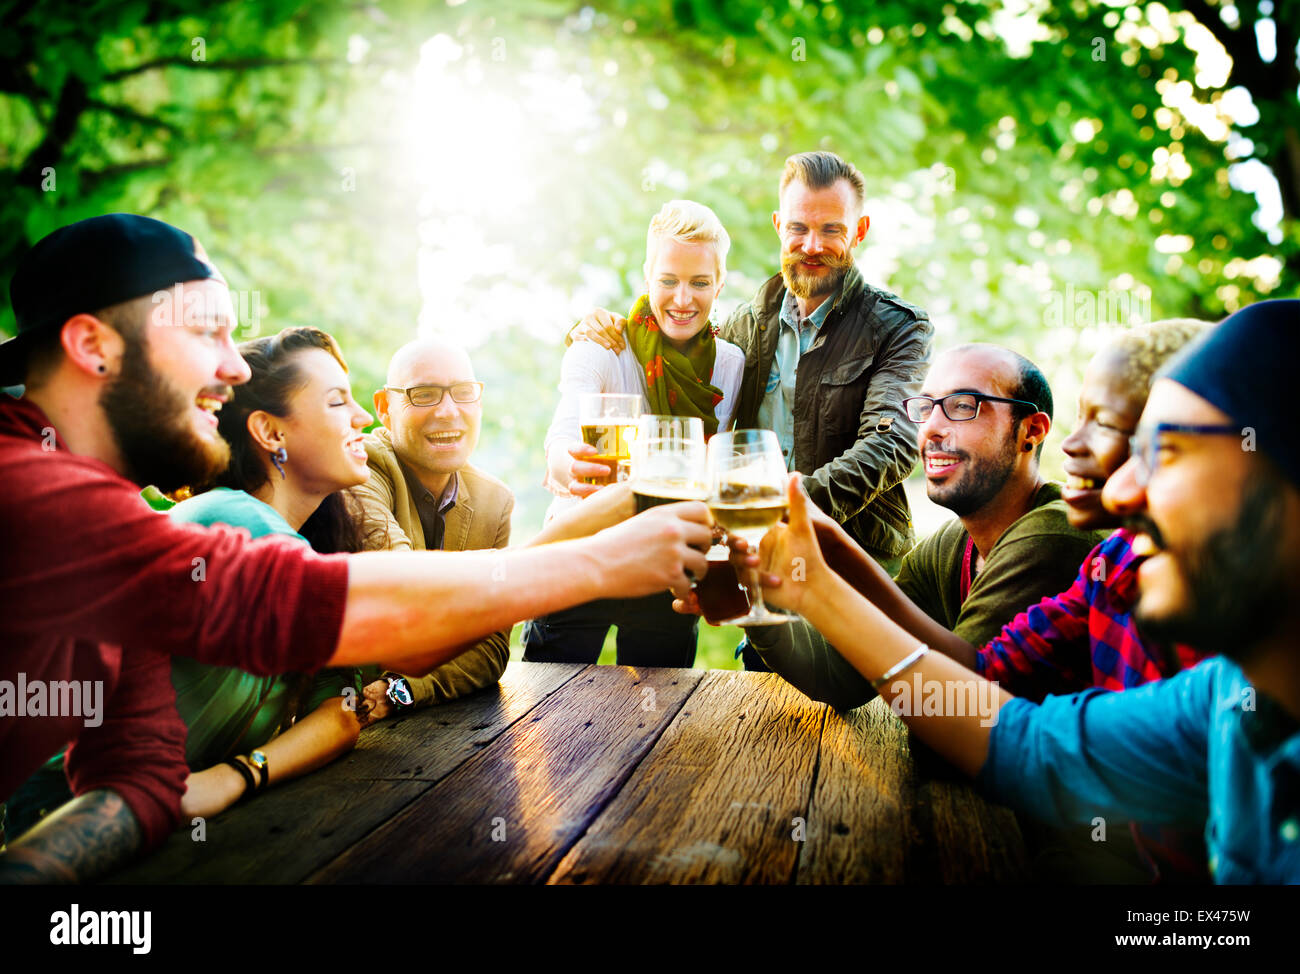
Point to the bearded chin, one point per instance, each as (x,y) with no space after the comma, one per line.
(1236,594)
(803,285)
(149,423)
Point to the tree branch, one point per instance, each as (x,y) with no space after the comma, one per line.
(130,115)
(229,64)
(72,102)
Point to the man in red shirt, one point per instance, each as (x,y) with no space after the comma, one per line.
(124,346)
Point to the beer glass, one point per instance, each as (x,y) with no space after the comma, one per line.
(669,462)
(608,423)
(747,478)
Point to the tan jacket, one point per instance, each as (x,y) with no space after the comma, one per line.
(480,518)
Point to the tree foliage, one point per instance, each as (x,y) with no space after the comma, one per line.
(1010,151)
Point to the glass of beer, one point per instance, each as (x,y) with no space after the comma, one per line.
(719,592)
(669,462)
(747,477)
(608,423)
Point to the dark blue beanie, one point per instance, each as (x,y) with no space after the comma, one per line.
(1245,366)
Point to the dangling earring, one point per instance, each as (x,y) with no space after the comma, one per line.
(279,458)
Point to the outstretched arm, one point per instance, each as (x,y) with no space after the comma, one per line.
(324,734)
(870,640)
(846,558)
(88,837)
(391,594)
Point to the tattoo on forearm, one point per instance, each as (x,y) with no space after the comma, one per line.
(86,838)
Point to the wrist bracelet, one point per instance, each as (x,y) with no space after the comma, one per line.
(245,772)
(898,667)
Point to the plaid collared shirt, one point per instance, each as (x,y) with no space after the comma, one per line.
(1084,637)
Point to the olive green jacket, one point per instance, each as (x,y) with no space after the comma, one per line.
(480,518)
(852,439)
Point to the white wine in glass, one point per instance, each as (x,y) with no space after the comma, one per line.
(747,477)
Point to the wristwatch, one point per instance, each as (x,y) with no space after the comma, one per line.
(258,760)
(399,693)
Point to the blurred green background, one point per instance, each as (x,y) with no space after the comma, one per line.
(1036,173)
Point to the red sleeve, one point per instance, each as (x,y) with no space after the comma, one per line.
(89,559)
(139,749)
(1036,652)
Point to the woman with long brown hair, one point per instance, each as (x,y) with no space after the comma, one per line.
(295,449)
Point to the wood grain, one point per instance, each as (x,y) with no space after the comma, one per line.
(290,831)
(717,798)
(509,813)
(888,810)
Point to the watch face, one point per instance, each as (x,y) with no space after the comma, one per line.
(399,692)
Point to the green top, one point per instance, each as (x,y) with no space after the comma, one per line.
(1037,556)
(226,710)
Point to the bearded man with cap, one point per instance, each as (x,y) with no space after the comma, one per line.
(124,348)
(1212,492)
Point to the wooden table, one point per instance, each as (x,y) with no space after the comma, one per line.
(603,774)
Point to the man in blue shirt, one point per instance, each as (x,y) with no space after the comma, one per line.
(1212,490)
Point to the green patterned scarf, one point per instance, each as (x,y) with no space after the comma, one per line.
(678,383)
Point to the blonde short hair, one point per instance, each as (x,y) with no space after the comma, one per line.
(1146,348)
(686,222)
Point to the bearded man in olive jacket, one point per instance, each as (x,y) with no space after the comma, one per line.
(829,359)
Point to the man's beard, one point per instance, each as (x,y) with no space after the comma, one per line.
(804,285)
(150,422)
(983,479)
(1235,581)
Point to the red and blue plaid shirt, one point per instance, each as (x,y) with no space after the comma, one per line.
(1084,637)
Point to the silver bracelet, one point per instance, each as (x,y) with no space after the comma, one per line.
(901,665)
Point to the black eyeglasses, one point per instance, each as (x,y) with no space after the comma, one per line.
(1145,442)
(432,395)
(958,407)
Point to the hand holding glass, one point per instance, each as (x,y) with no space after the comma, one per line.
(747,478)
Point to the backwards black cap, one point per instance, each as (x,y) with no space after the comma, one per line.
(90,265)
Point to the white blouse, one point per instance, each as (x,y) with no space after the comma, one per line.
(588,368)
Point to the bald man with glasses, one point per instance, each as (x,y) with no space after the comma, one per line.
(424,495)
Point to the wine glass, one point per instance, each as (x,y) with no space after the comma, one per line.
(747,478)
(669,463)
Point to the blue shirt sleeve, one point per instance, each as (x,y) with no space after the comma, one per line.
(1137,754)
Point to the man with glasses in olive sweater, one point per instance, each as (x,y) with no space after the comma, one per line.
(982,416)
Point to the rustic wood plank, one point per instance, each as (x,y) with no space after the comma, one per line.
(278,838)
(511,811)
(717,798)
(975,841)
(888,810)
(432,742)
(285,834)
